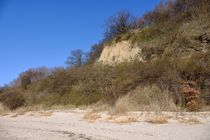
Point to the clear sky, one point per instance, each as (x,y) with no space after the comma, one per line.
(36,33)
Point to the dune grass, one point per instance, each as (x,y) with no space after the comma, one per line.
(157,120)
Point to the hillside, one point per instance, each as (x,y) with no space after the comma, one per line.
(166,39)
(160,62)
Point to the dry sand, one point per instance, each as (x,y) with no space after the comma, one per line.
(71,125)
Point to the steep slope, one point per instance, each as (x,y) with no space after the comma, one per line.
(120,52)
(174,40)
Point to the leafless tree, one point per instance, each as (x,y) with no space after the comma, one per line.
(76,59)
(118,24)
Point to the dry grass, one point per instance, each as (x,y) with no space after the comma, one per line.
(42,108)
(124,119)
(149,98)
(158,120)
(205,108)
(99,107)
(4,114)
(59,107)
(20,113)
(110,118)
(31,114)
(123,105)
(152,98)
(4,111)
(23,110)
(91,117)
(190,121)
(40,113)
(45,113)
(39,110)
(14,115)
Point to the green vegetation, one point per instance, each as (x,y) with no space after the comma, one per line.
(175,45)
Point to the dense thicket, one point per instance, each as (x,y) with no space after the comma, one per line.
(175,43)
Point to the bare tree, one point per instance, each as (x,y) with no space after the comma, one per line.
(76,59)
(118,24)
(95,52)
(30,76)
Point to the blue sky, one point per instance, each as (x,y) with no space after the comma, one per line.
(36,33)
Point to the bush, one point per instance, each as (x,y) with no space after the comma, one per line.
(95,53)
(119,24)
(12,99)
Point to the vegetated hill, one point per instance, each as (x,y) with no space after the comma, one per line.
(179,40)
(171,38)
(161,62)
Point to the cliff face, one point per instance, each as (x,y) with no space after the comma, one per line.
(120,52)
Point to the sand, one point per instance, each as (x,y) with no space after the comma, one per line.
(70,125)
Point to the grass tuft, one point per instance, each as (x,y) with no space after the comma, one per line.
(91,117)
(157,120)
(190,121)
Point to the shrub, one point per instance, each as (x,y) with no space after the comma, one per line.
(95,52)
(119,24)
(12,99)
(190,96)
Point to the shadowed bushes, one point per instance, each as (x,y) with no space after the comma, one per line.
(12,99)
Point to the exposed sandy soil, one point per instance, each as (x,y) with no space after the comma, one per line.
(72,125)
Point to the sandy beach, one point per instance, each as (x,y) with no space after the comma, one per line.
(71,125)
